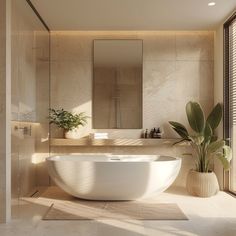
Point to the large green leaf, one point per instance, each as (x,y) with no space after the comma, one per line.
(213,147)
(207,132)
(224,161)
(179,129)
(215,116)
(225,156)
(227,153)
(195,116)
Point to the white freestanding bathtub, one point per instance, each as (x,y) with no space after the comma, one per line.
(113,177)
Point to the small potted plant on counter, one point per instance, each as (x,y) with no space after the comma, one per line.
(202,181)
(68,121)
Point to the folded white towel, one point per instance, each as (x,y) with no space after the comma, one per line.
(105,137)
(99,135)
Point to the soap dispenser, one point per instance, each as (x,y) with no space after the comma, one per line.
(155,133)
(151,133)
(158,133)
(146,134)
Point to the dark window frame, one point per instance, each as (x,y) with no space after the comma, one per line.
(226,97)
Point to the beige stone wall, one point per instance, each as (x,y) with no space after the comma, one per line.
(2,117)
(5,138)
(177,67)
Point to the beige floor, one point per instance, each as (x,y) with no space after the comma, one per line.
(215,216)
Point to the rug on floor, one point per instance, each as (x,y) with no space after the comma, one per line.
(66,207)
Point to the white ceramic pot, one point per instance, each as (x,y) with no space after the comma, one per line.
(72,134)
(202,184)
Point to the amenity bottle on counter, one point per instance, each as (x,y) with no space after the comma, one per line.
(151,133)
(146,134)
(156,133)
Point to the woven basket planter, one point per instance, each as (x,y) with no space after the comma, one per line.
(202,184)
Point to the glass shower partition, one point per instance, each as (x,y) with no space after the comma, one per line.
(30,101)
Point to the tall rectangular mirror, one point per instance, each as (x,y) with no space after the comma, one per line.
(117,84)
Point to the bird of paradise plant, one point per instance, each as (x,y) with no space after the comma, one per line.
(202,138)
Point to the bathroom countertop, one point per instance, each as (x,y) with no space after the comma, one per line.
(112,142)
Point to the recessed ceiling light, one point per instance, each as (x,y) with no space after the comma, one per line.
(211,4)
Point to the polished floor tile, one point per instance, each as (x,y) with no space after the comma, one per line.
(214,216)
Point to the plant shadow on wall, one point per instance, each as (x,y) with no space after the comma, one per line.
(68,121)
(202,180)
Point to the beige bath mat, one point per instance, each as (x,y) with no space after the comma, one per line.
(66,207)
(115,211)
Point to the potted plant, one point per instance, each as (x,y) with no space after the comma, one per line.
(68,121)
(202,181)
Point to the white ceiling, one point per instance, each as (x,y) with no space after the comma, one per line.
(133,14)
